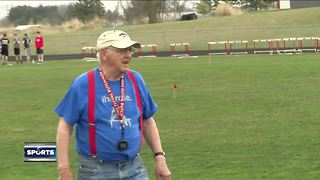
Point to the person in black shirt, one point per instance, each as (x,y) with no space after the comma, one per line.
(4,49)
(1,35)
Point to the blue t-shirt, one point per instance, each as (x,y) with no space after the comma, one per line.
(74,109)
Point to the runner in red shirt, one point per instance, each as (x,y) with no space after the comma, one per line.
(39,46)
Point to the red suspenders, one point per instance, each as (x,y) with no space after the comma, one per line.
(138,98)
(91,108)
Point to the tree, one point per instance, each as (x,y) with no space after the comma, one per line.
(247,4)
(153,10)
(113,16)
(134,11)
(140,9)
(42,14)
(48,14)
(258,4)
(163,9)
(204,7)
(86,10)
(20,15)
(208,3)
(178,6)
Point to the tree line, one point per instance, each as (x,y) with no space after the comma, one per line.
(84,10)
(150,11)
(208,6)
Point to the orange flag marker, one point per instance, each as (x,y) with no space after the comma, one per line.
(174,85)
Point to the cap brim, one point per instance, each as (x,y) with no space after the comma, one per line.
(125,44)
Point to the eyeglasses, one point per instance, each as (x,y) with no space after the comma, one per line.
(122,50)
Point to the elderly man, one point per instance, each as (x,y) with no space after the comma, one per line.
(113,110)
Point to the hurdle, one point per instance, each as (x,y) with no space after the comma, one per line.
(268,49)
(173,49)
(211,50)
(153,52)
(310,47)
(243,50)
(278,48)
(92,52)
(287,48)
(318,44)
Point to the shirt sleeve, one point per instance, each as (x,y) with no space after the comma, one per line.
(149,107)
(69,108)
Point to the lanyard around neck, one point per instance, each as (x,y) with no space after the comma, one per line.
(119,110)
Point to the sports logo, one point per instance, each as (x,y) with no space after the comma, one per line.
(123,35)
(40,152)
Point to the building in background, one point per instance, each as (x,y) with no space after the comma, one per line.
(294,4)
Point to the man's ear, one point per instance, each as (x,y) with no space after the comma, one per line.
(104,53)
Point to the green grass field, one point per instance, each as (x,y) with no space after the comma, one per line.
(241,117)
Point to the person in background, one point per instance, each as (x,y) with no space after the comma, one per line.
(27,48)
(1,35)
(113,111)
(39,47)
(16,49)
(4,49)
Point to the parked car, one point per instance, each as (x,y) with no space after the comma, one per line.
(189,16)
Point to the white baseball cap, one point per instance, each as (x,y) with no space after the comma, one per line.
(117,39)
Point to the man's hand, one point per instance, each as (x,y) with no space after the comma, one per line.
(162,171)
